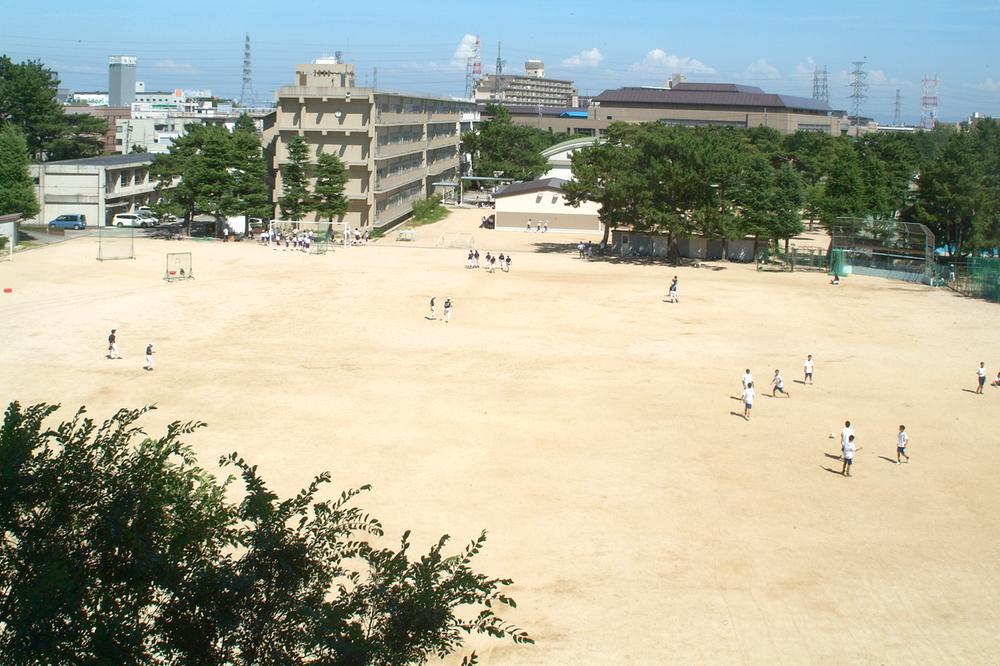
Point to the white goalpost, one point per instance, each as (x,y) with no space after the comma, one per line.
(179,267)
(456,240)
(115,243)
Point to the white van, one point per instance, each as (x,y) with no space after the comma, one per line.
(130,220)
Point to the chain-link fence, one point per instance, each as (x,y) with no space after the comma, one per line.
(976,277)
(885,248)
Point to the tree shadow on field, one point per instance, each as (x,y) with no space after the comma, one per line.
(556,248)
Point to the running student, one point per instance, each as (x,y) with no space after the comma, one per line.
(433,310)
(748,396)
(447,310)
(747,379)
(849,450)
(901,440)
(981,376)
(779,385)
(149,358)
(808,367)
(846,434)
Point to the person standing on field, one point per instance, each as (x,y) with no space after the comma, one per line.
(748,396)
(113,345)
(849,450)
(149,358)
(981,376)
(808,367)
(447,310)
(433,310)
(901,441)
(672,296)
(846,434)
(747,379)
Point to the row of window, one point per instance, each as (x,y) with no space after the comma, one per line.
(402,134)
(396,167)
(439,130)
(399,198)
(412,105)
(438,154)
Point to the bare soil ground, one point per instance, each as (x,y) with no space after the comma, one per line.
(591,427)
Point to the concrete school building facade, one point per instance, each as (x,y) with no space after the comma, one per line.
(98,187)
(543,201)
(397,147)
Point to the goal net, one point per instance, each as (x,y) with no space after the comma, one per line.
(457,240)
(115,243)
(883,248)
(178,267)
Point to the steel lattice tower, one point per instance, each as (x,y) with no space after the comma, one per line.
(821,89)
(859,90)
(929,102)
(246,93)
(473,70)
(897,116)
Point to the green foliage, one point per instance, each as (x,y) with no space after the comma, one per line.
(138,149)
(28,101)
(214,172)
(117,548)
(329,200)
(428,210)
(17,191)
(500,146)
(295,199)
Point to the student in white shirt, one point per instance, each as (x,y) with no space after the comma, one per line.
(748,396)
(747,379)
(846,434)
(981,376)
(850,448)
(808,367)
(901,440)
(779,385)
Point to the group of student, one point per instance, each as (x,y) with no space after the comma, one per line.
(777,383)
(849,446)
(115,355)
(489,261)
(981,378)
(447,309)
(298,240)
(540,225)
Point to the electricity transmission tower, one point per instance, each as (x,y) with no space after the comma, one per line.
(246,93)
(859,92)
(929,102)
(473,70)
(499,71)
(821,89)
(897,116)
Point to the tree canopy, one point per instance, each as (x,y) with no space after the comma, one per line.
(118,548)
(28,101)
(17,191)
(295,200)
(329,200)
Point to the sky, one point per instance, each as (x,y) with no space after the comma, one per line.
(422,46)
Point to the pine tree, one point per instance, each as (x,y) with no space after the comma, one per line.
(295,201)
(17,192)
(251,189)
(331,179)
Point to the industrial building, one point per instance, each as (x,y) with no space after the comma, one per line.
(398,147)
(98,187)
(688,104)
(530,89)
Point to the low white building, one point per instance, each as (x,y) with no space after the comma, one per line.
(98,187)
(542,201)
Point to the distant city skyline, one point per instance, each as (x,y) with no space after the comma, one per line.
(423,46)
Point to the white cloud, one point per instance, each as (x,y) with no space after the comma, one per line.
(465,49)
(171,65)
(659,60)
(760,69)
(459,59)
(586,58)
(806,69)
(989,85)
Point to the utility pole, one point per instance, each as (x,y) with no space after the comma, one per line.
(897,112)
(859,92)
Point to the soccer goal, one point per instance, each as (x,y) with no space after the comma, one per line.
(457,240)
(178,267)
(115,243)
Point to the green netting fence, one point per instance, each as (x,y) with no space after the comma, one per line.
(977,277)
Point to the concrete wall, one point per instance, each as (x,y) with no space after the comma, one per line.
(513,212)
(628,243)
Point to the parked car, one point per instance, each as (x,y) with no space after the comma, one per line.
(149,217)
(69,221)
(130,220)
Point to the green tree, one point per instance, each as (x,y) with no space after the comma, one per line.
(197,174)
(28,101)
(117,548)
(501,146)
(17,191)
(329,200)
(178,192)
(295,199)
(138,149)
(843,191)
(250,179)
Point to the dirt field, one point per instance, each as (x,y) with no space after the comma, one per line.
(588,425)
